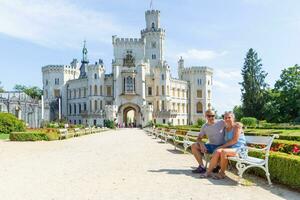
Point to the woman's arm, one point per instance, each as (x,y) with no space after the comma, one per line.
(236,134)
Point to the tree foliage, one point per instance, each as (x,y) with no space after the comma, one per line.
(33,92)
(1,88)
(238,112)
(253,86)
(287,94)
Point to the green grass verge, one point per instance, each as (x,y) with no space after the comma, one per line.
(4,136)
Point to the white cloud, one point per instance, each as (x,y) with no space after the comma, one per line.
(196,54)
(227,74)
(56,23)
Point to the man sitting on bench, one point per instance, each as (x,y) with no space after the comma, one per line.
(214,131)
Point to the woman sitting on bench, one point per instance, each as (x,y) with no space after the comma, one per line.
(234,140)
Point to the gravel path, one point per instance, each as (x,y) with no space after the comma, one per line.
(122,164)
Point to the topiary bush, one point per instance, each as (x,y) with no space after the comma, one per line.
(249,121)
(9,123)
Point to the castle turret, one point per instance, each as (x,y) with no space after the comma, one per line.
(84,61)
(180,67)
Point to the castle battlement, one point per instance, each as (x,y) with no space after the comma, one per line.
(197,70)
(149,12)
(127,41)
(58,68)
(153,32)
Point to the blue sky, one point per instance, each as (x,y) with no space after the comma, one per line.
(214,33)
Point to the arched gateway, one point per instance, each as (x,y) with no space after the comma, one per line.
(129,114)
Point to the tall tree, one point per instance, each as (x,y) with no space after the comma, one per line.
(33,92)
(253,86)
(288,88)
(1,88)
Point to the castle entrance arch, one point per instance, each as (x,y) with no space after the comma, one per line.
(129,115)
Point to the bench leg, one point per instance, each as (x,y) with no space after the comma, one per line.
(268,174)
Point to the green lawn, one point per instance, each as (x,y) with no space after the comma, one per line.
(4,136)
(275,131)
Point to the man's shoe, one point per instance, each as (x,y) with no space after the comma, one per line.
(199,170)
(216,169)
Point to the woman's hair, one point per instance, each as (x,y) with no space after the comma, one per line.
(229,113)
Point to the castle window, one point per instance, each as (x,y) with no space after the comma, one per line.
(101,105)
(162,105)
(183,107)
(96,105)
(162,90)
(153,56)
(208,94)
(84,92)
(56,93)
(95,76)
(208,82)
(178,92)
(162,77)
(56,81)
(199,107)
(129,60)
(108,90)
(199,93)
(153,26)
(84,106)
(70,109)
(79,92)
(153,45)
(150,91)
(101,90)
(75,109)
(199,82)
(46,82)
(168,90)
(129,84)
(79,121)
(95,90)
(157,105)
(157,91)
(79,105)
(178,107)
(90,90)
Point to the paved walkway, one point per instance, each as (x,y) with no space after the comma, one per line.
(123,164)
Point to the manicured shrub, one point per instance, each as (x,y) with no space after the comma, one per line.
(284,168)
(9,123)
(109,124)
(249,121)
(27,136)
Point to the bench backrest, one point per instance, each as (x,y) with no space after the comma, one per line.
(63,130)
(192,133)
(264,140)
(172,131)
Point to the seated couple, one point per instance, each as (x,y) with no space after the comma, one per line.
(225,138)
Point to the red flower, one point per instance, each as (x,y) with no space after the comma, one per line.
(296,149)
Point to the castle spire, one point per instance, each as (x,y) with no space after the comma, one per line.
(151,5)
(84,53)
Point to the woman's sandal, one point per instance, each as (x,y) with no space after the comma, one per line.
(219,176)
(205,175)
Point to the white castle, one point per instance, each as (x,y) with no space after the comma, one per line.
(140,81)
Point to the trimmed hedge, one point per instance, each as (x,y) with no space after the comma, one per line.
(27,136)
(33,136)
(249,121)
(284,168)
(9,123)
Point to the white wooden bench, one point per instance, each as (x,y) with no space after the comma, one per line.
(77,131)
(187,142)
(244,161)
(63,132)
(169,135)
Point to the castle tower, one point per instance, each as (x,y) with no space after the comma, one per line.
(154,37)
(84,61)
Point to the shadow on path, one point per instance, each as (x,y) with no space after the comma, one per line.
(188,172)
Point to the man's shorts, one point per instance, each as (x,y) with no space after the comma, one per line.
(211,147)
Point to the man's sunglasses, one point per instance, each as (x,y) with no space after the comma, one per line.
(209,116)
